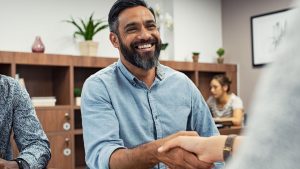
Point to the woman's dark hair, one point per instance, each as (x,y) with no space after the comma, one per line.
(118,7)
(223,80)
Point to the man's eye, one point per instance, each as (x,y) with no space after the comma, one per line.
(152,26)
(130,30)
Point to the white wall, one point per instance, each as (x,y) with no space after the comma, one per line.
(197,26)
(236,26)
(22,20)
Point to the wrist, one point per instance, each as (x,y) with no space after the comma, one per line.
(20,163)
(216,146)
(228,146)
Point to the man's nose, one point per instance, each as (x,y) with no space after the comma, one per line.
(144,34)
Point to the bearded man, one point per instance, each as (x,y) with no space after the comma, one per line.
(135,105)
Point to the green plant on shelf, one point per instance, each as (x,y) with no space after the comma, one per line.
(220,52)
(88,29)
(77,92)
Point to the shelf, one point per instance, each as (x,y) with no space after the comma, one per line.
(53,107)
(76,107)
(77,120)
(58,75)
(79,151)
(78,132)
(46,81)
(5,69)
(81,74)
(80,167)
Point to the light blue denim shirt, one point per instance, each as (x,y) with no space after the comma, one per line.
(118,110)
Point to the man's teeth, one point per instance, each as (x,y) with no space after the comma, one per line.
(144,46)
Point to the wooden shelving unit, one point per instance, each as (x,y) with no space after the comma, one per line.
(57,75)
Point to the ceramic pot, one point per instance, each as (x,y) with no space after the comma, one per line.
(38,46)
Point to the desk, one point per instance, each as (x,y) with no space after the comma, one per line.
(230,130)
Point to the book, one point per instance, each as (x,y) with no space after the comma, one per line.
(43,101)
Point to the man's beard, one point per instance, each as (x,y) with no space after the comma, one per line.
(144,61)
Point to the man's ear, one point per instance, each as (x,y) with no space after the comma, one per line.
(114,39)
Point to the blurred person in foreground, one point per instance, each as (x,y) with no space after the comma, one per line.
(272,136)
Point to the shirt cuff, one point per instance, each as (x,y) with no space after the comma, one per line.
(105,154)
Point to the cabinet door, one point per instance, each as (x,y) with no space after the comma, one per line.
(61,150)
(55,120)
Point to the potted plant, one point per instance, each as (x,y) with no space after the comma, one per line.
(164,46)
(77,95)
(87,30)
(195,56)
(220,53)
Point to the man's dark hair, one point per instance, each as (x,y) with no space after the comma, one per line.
(118,7)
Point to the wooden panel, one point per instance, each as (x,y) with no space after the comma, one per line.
(57,75)
(54,120)
(61,85)
(5,69)
(6,57)
(81,74)
(180,66)
(58,145)
(230,130)
(46,81)
(233,77)
(42,59)
(77,119)
(79,152)
(97,62)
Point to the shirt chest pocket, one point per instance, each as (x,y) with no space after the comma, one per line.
(174,118)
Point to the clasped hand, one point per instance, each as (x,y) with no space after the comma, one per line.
(176,157)
(207,149)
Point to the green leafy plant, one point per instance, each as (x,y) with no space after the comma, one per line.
(220,52)
(164,46)
(195,53)
(77,92)
(88,29)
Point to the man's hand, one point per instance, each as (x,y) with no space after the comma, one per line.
(4,164)
(178,158)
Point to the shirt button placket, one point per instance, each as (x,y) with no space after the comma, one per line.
(155,115)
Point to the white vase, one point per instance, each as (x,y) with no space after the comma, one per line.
(77,101)
(88,48)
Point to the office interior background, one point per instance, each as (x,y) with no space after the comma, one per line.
(198,25)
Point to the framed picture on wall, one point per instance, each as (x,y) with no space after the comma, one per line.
(268,30)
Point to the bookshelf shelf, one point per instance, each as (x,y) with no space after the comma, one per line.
(58,75)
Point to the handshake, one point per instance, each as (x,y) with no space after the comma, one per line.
(186,149)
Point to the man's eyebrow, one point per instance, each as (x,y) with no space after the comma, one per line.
(150,21)
(130,24)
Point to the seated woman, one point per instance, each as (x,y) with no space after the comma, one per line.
(224,105)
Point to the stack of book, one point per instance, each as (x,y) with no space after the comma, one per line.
(43,101)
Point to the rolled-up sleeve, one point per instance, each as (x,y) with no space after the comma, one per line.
(202,120)
(100,124)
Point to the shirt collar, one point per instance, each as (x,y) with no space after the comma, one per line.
(160,74)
